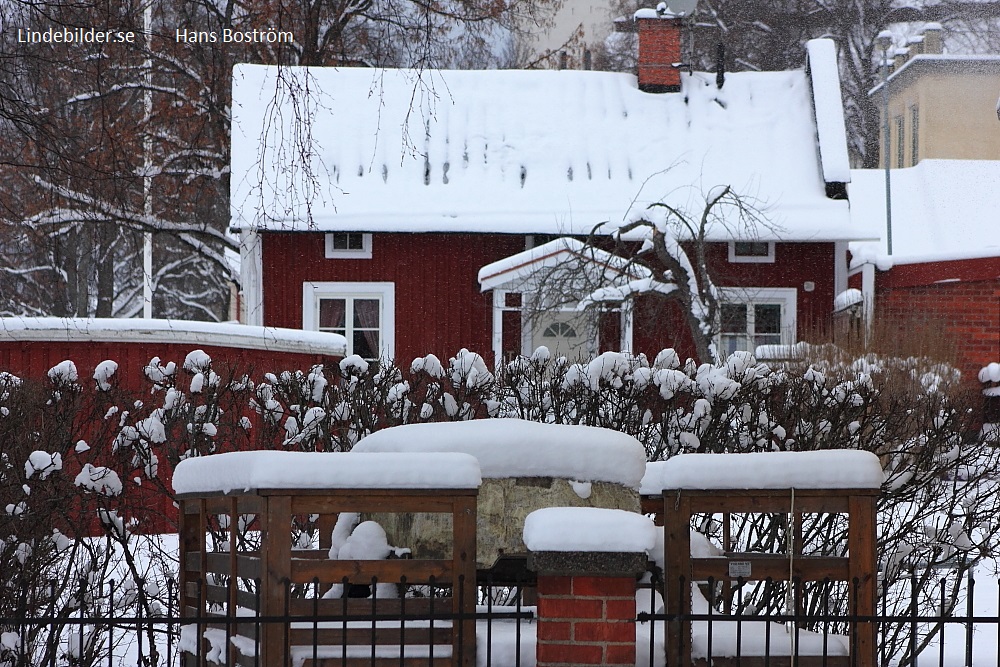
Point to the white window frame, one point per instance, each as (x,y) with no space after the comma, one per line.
(751,259)
(786,297)
(312,292)
(333,253)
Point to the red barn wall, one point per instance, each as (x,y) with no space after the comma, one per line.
(31,360)
(440,308)
(967,314)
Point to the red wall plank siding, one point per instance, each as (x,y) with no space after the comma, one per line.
(439,306)
(794,264)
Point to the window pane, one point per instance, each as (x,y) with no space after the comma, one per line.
(332,313)
(366,312)
(366,344)
(348,241)
(734,318)
(559,330)
(751,249)
(767,318)
(767,339)
(733,343)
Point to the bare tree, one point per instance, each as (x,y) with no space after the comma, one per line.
(84,127)
(662,253)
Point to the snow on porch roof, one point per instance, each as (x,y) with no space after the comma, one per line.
(521,266)
(523,152)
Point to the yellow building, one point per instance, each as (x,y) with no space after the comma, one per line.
(940,105)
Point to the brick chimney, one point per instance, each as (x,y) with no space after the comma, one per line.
(659,51)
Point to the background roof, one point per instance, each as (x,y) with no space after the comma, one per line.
(941,210)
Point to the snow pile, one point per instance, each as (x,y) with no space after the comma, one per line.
(828,469)
(846,299)
(103,374)
(99,480)
(990,374)
(243,471)
(519,448)
(43,463)
(63,373)
(589,529)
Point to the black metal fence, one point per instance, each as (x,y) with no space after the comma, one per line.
(116,625)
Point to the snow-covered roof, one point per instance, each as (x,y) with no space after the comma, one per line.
(521,266)
(958,61)
(519,448)
(589,529)
(941,210)
(246,471)
(524,152)
(222,334)
(826,469)
(829,110)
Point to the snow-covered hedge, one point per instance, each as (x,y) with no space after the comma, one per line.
(81,455)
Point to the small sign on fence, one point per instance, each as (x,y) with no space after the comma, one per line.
(740,568)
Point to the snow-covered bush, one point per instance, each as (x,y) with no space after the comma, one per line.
(93,458)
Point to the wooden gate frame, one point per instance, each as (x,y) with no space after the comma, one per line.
(676,506)
(276,562)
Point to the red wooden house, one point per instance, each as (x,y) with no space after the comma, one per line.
(943,274)
(405,209)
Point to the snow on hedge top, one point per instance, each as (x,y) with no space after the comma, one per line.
(938,213)
(519,448)
(588,529)
(245,471)
(518,151)
(222,334)
(827,469)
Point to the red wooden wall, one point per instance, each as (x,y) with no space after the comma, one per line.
(440,308)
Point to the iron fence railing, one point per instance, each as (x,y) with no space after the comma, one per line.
(117,625)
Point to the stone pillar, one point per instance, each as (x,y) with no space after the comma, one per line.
(586,607)
(587,560)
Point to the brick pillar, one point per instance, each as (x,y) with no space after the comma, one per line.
(586,607)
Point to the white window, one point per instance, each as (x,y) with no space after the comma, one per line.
(364,313)
(756,316)
(348,245)
(760,252)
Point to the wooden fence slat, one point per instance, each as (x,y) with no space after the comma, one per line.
(358,607)
(806,568)
(362,571)
(410,635)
